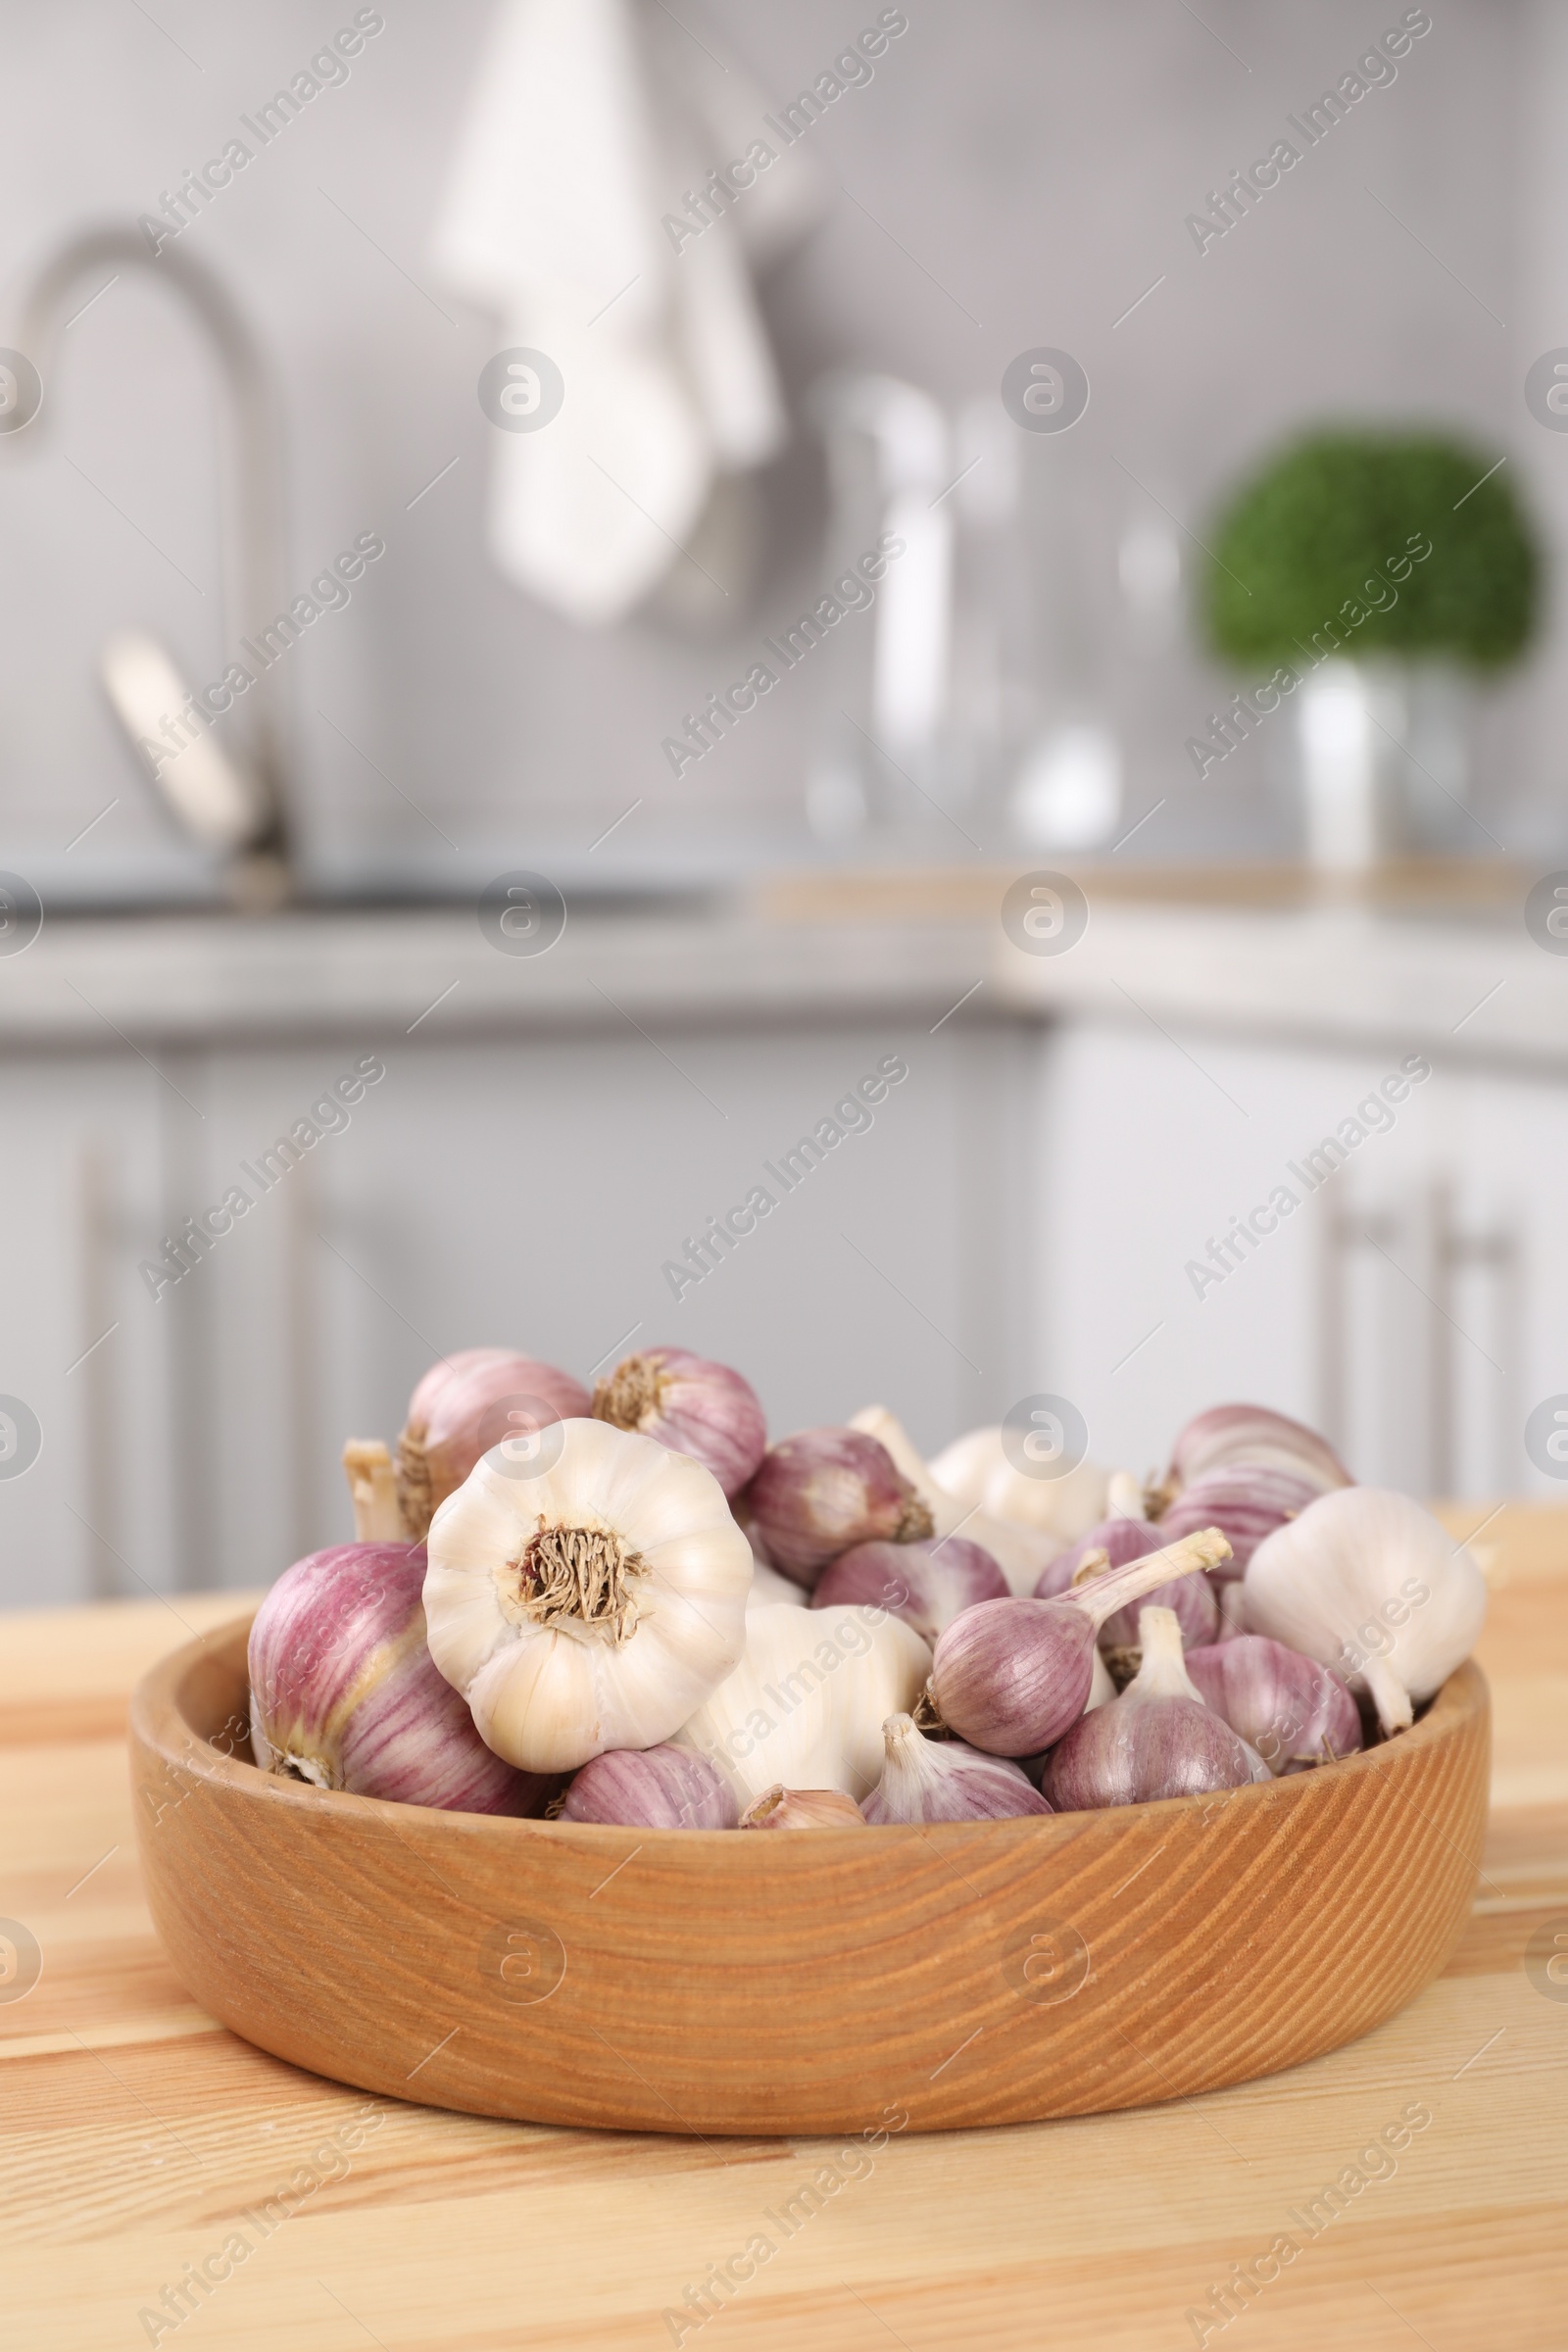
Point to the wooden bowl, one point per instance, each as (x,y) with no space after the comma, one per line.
(789,1981)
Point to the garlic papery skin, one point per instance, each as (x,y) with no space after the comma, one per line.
(592,1603)
(1248,1499)
(1295,1712)
(946,1780)
(1231,1434)
(1119,1539)
(823,1490)
(344,1694)
(1010,1676)
(976,1469)
(1020,1552)
(465,1404)
(1158,1739)
(692,1406)
(781,1808)
(927,1582)
(806,1704)
(659,1787)
(1367,1581)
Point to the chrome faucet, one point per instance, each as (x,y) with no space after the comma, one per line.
(232,805)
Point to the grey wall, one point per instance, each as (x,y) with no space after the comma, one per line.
(1016,174)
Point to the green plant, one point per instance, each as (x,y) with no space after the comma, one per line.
(1309,539)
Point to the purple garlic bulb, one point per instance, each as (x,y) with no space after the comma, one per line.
(1158,1740)
(944,1779)
(1249,1500)
(692,1406)
(344,1692)
(927,1581)
(1294,1711)
(824,1491)
(659,1787)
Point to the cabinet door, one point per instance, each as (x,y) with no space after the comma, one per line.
(534,1192)
(83,1345)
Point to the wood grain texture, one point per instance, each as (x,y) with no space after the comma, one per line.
(704,1982)
(139,2135)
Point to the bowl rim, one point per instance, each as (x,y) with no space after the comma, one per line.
(161,1725)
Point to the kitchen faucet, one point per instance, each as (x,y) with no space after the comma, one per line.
(230,804)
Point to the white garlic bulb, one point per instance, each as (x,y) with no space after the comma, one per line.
(769,1589)
(1020,1550)
(976,1469)
(587,1604)
(806,1704)
(1367,1581)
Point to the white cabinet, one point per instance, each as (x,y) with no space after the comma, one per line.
(85,1142)
(1411,1305)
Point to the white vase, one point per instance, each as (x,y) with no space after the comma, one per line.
(1351,723)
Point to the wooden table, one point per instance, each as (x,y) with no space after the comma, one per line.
(139,2135)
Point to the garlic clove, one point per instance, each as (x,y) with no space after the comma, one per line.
(659,1787)
(691,1405)
(781,1808)
(589,1605)
(465,1404)
(821,1492)
(1367,1581)
(946,1780)
(373,1491)
(927,1581)
(1292,1711)
(806,1704)
(344,1692)
(1012,1676)
(1158,1739)
(1020,1551)
(975,1468)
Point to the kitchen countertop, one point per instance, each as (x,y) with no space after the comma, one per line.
(138,2129)
(1448,967)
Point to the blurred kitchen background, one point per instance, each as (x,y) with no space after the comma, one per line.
(751,931)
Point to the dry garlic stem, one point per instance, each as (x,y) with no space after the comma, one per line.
(372,1490)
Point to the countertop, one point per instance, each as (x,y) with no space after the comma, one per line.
(137,2131)
(1441,959)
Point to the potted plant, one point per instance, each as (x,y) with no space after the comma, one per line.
(1371,574)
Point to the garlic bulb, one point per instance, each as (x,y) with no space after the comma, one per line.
(1020,1552)
(976,1469)
(1010,1676)
(1248,1499)
(927,1581)
(1295,1712)
(1112,1544)
(1227,1435)
(590,1604)
(650,1788)
(823,1490)
(465,1404)
(769,1588)
(692,1406)
(806,1704)
(1158,1739)
(344,1694)
(781,1808)
(945,1779)
(1368,1582)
